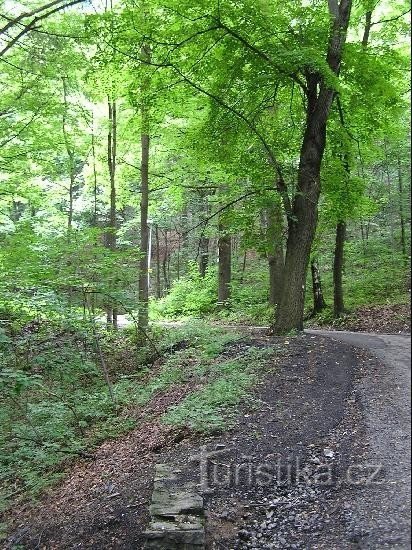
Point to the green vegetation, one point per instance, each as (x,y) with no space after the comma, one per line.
(214,406)
(221,162)
(374,275)
(57,403)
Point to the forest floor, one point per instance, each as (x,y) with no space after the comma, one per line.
(384,319)
(318,458)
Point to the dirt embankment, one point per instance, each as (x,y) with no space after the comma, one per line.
(390,319)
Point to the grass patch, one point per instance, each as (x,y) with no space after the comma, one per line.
(213,408)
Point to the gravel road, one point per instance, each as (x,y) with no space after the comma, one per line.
(380,512)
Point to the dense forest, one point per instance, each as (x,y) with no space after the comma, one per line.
(169,164)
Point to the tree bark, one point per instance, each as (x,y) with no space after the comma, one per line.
(319,303)
(144,237)
(143,317)
(302,220)
(225,266)
(276,256)
(111,163)
(339,305)
(158,281)
(204,255)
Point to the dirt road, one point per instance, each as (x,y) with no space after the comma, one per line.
(380,513)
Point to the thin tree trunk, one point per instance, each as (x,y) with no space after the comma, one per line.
(302,219)
(401,211)
(71,157)
(276,256)
(165,262)
(242,278)
(111,163)
(339,305)
(178,260)
(276,274)
(158,281)
(204,255)
(95,189)
(143,318)
(319,303)
(225,266)
(390,197)
(144,237)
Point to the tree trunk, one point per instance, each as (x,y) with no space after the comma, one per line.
(111,162)
(158,281)
(302,218)
(95,189)
(225,266)
(276,256)
(401,211)
(144,237)
(244,263)
(204,255)
(339,306)
(71,157)
(319,303)
(276,273)
(143,317)
(165,262)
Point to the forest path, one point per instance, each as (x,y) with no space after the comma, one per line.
(381,512)
(321,404)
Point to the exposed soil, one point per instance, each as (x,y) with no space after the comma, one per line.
(265,488)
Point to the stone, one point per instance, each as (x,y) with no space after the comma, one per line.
(177,515)
(169,503)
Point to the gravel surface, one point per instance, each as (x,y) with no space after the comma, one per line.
(380,515)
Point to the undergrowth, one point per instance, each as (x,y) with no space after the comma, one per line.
(214,406)
(57,403)
(375,275)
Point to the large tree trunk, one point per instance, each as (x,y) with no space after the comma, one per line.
(302,220)
(225,266)
(319,303)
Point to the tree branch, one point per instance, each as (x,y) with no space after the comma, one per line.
(27,28)
(228,205)
(261,54)
(281,186)
(391,19)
